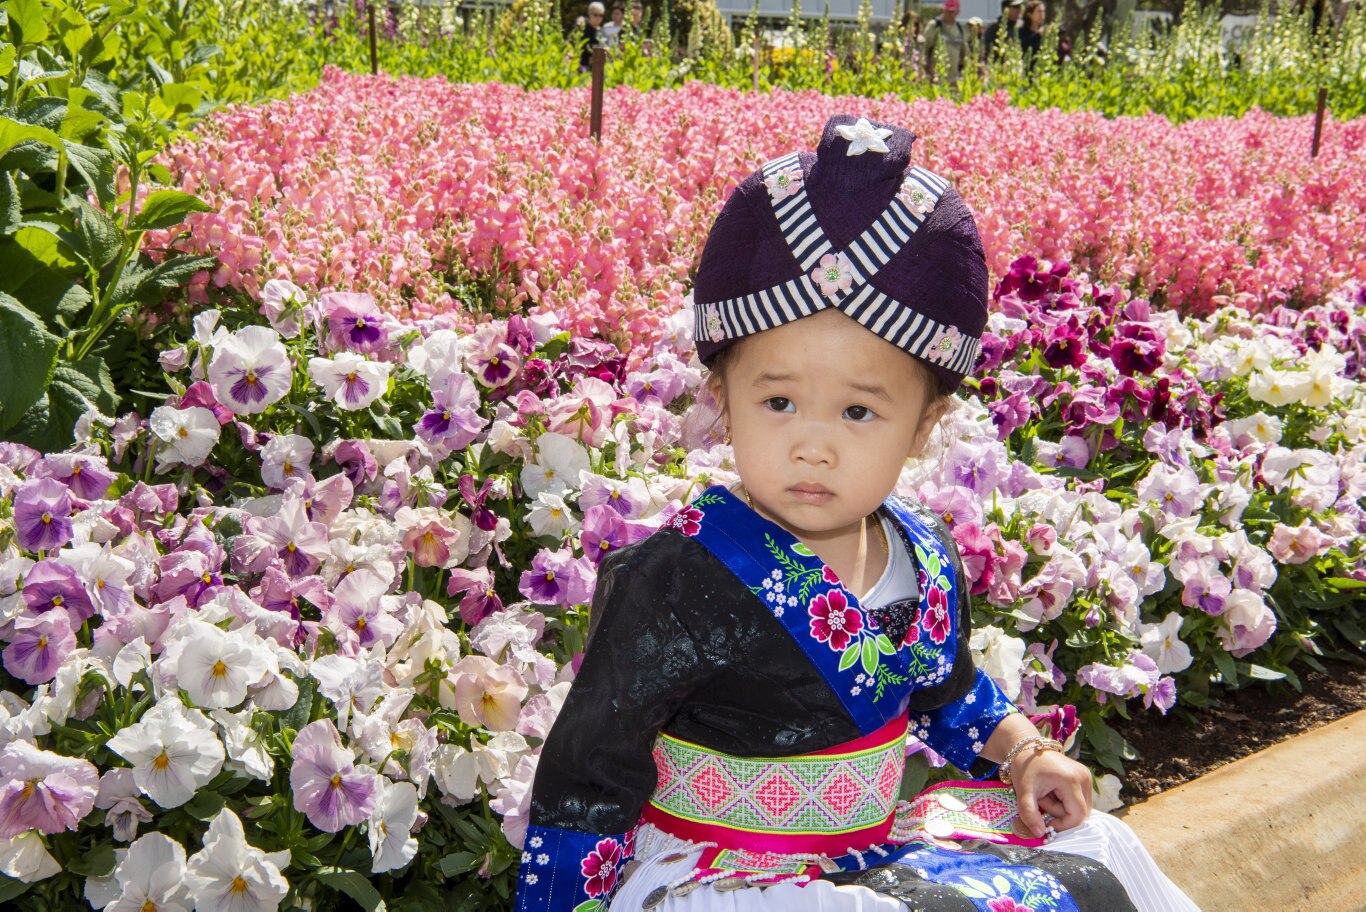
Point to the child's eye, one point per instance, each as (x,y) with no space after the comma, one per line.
(779,404)
(859,413)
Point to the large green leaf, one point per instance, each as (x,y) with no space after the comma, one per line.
(35,269)
(12,133)
(27,21)
(178,270)
(96,166)
(95,237)
(9,203)
(165,208)
(353,884)
(28,353)
(48,425)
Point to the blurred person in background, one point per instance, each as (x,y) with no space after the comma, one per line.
(1031,32)
(996,37)
(954,35)
(591,35)
(611,32)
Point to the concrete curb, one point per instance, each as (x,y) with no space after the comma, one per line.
(1283,829)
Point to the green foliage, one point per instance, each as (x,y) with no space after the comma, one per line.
(74,152)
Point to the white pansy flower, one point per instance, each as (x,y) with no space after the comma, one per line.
(391,824)
(250,370)
(551,516)
(247,754)
(1161,644)
(457,773)
(231,876)
(26,858)
(349,380)
(1280,387)
(186,435)
(174,752)
(1106,794)
(215,667)
(559,462)
(1000,655)
(151,875)
(286,456)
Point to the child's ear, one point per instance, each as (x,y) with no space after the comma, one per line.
(929,420)
(717,389)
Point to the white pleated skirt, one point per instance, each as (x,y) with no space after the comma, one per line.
(1101,837)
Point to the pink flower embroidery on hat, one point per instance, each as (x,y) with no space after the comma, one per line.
(945,346)
(917,198)
(834,274)
(784,183)
(715,331)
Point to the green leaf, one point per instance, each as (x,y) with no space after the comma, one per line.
(11,887)
(27,21)
(885,645)
(179,269)
(458,863)
(12,133)
(36,270)
(870,659)
(96,166)
(9,203)
(99,862)
(8,55)
(296,717)
(849,657)
(1262,673)
(1227,669)
(28,353)
(803,550)
(205,805)
(353,884)
(96,238)
(165,208)
(48,425)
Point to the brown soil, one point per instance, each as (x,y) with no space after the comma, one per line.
(1172,751)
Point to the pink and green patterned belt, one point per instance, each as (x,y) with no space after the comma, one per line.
(826,803)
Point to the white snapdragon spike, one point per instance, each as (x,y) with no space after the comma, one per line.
(26,858)
(390,826)
(247,754)
(151,875)
(231,876)
(185,435)
(250,370)
(174,752)
(285,457)
(350,380)
(559,462)
(1163,646)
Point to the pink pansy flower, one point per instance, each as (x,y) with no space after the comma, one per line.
(329,788)
(43,791)
(833,620)
(784,183)
(835,274)
(487,694)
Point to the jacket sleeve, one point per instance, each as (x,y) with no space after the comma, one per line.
(596,769)
(958,716)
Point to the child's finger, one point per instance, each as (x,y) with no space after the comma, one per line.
(1051,806)
(1030,815)
(1074,809)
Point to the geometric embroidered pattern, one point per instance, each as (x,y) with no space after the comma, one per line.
(966,810)
(809,794)
(914,332)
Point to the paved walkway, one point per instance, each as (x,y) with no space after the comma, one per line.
(1283,830)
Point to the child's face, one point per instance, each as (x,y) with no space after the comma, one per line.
(822,415)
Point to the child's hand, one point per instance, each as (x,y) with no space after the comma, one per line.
(1051,783)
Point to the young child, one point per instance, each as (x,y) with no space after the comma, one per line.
(735,738)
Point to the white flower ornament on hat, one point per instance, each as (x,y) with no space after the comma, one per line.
(863,136)
(784,184)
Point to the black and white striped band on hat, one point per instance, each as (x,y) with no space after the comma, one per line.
(840,279)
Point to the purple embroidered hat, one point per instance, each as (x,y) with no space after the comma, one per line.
(853,226)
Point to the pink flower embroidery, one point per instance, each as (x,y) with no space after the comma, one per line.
(936,620)
(600,867)
(945,346)
(916,197)
(784,183)
(829,576)
(834,274)
(687,520)
(833,621)
(1006,904)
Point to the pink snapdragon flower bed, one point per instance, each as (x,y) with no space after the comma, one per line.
(438,198)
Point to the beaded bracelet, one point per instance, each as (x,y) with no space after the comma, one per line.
(1038,742)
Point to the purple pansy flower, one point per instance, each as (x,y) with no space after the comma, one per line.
(38,646)
(51,586)
(43,791)
(354,322)
(557,578)
(42,514)
(329,788)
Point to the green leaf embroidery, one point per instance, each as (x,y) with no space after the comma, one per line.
(884,644)
(803,550)
(849,657)
(870,656)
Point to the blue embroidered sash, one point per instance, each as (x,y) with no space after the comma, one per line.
(872,675)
